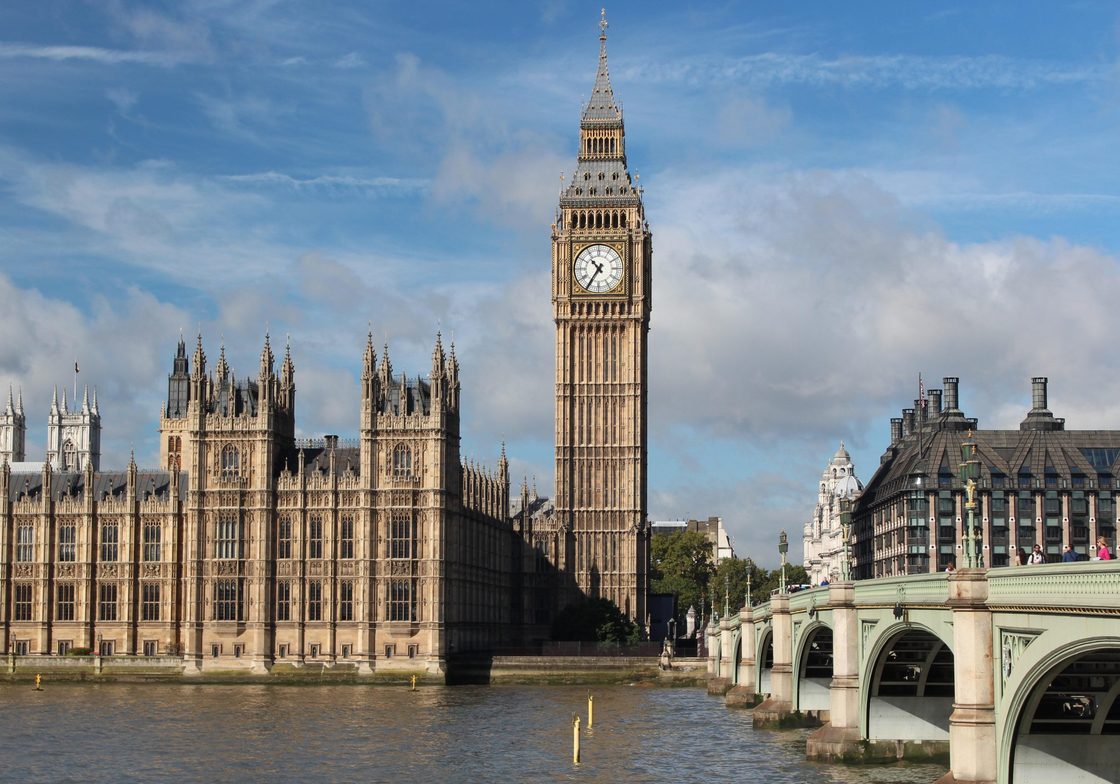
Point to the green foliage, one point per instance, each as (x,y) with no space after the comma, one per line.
(595,620)
(681,564)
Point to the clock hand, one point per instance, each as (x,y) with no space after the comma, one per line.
(598,269)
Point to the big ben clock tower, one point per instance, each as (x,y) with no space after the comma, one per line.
(601,275)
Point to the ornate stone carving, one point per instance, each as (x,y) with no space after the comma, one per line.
(866,629)
(1012,645)
(66,570)
(284,567)
(400,568)
(227,567)
(24,570)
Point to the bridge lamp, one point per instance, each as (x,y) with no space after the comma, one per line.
(845,532)
(750,568)
(783,548)
(970,475)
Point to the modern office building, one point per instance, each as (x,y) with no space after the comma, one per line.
(1040,484)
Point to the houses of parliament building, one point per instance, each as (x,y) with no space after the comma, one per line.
(248,547)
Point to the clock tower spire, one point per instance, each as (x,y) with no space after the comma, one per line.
(601,274)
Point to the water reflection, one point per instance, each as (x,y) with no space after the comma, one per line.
(94,733)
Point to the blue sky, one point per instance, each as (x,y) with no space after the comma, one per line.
(841,196)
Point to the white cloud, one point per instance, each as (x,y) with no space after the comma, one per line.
(96,54)
(350,60)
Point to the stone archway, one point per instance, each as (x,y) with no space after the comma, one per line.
(1067,720)
(908,689)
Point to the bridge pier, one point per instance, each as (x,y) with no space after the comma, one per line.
(840,739)
(721,684)
(972,725)
(742,694)
(777,710)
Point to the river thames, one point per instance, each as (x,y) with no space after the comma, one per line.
(114,732)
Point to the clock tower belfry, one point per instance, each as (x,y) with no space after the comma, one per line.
(601,273)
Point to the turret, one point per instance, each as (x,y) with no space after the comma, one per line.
(179,382)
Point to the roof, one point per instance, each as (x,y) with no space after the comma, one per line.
(112,483)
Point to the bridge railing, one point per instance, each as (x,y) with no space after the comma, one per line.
(911,589)
(1084,585)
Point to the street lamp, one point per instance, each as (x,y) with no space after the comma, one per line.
(970,474)
(783,548)
(750,568)
(845,530)
(727,596)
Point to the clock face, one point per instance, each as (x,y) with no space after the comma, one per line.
(598,268)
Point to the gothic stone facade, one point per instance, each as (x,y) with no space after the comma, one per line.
(249,548)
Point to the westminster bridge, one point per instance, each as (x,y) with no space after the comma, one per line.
(1013,672)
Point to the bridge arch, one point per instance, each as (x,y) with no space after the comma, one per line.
(736,655)
(1063,718)
(764,660)
(906,685)
(813,668)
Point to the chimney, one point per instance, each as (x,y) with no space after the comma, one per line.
(896,430)
(1038,393)
(907,421)
(950,384)
(330,441)
(1039,417)
(934,402)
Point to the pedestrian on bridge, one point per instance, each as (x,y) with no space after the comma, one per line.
(1069,556)
(1037,556)
(1103,552)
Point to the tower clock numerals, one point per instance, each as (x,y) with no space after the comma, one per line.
(598,269)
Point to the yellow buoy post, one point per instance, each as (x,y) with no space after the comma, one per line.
(575,740)
(38,680)
(590,711)
(414,683)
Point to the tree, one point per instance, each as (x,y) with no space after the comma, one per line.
(681,564)
(594,620)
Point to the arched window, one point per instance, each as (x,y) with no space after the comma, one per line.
(230,461)
(402,461)
(69,456)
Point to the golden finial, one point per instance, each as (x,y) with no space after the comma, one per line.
(603,25)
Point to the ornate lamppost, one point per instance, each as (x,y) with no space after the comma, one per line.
(750,568)
(727,596)
(783,548)
(970,474)
(845,532)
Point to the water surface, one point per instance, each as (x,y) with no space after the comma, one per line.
(342,733)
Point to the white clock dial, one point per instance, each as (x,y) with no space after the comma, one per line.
(598,268)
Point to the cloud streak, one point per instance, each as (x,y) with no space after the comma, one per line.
(879,71)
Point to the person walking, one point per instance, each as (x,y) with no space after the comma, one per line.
(1037,556)
(1022,555)
(1069,556)
(1103,552)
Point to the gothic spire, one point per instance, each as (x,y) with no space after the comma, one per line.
(602,107)
(386,365)
(222,368)
(94,408)
(199,358)
(369,360)
(287,370)
(85,399)
(54,400)
(11,405)
(19,402)
(267,360)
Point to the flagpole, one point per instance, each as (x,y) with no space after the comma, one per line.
(75,382)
